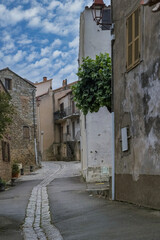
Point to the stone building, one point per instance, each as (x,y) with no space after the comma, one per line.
(96,137)
(136,76)
(5,163)
(66,125)
(44,99)
(22,132)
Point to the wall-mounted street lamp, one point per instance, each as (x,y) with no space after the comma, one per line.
(151,3)
(101,14)
(97,11)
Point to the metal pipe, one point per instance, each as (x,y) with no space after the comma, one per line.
(34,126)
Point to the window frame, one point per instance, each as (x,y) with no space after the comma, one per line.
(26,136)
(5,151)
(134,62)
(8,83)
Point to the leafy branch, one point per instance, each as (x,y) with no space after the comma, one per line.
(94,88)
(6,112)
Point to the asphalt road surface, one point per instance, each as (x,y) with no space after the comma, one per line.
(53,203)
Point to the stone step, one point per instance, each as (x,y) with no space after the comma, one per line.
(102,189)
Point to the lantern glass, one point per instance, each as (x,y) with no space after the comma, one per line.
(97,11)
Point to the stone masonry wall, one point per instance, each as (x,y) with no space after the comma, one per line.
(23,98)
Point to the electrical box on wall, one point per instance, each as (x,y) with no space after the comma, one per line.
(124,137)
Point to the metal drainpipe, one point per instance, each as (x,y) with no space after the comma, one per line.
(113,129)
(34,125)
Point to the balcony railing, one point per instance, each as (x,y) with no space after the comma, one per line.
(67,112)
(67,137)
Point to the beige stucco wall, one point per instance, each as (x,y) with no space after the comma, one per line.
(42,87)
(45,120)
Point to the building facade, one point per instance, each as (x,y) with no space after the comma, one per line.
(5,161)
(136,76)
(45,123)
(23,130)
(66,125)
(95,127)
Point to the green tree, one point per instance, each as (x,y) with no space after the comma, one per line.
(94,88)
(6,112)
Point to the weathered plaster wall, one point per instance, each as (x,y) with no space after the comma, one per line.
(22,150)
(98,132)
(96,128)
(137,106)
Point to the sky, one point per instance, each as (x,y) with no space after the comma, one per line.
(41,38)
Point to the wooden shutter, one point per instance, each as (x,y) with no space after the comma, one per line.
(129,41)
(136,35)
(133,39)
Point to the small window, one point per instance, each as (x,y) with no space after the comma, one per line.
(73,107)
(67,129)
(8,84)
(62,107)
(106,19)
(73,130)
(5,151)
(26,132)
(133,39)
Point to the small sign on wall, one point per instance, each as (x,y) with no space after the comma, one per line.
(124,138)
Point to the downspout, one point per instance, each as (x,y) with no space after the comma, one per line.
(112,107)
(34,125)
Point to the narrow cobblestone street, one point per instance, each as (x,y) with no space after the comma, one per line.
(37,223)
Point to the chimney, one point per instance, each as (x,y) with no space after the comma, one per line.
(64,83)
(44,79)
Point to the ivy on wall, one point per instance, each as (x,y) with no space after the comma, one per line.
(6,112)
(94,88)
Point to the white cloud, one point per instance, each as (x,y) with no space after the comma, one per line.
(54,4)
(24,40)
(48,50)
(32,56)
(35,22)
(19,56)
(74,43)
(57,53)
(41,63)
(56,42)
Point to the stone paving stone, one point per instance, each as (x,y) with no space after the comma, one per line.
(37,223)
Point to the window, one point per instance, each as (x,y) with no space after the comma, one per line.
(8,83)
(62,107)
(26,132)
(67,129)
(106,19)
(73,107)
(133,39)
(5,151)
(73,130)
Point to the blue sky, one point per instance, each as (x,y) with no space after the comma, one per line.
(41,38)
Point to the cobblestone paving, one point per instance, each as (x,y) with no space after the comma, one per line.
(37,224)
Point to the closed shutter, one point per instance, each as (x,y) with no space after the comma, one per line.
(133,39)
